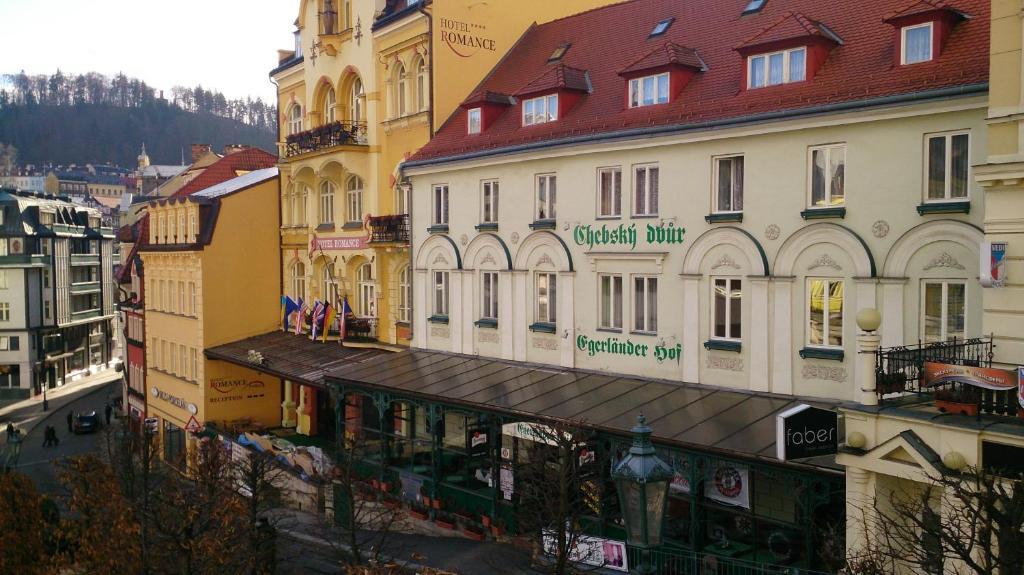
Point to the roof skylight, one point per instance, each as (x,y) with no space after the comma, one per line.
(661,27)
(559,52)
(754,6)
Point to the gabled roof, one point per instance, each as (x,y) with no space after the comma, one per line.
(228,167)
(790,26)
(608,40)
(487,97)
(557,77)
(666,55)
(239,183)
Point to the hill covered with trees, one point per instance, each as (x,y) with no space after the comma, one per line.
(90,118)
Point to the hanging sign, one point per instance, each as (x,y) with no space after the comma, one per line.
(993,264)
(984,377)
(806,431)
(593,551)
(729,483)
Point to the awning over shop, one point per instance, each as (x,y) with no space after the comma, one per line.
(701,417)
(292,357)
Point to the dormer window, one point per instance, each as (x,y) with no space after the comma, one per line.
(473,121)
(776,68)
(540,110)
(648,90)
(661,27)
(916,43)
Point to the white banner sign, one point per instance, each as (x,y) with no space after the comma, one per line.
(729,483)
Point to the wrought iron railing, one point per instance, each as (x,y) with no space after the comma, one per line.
(389,229)
(361,327)
(326,136)
(668,561)
(900,371)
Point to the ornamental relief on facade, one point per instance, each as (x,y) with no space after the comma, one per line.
(726,261)
(825,261)
(944,261)
(548,343)
(488,336)
(439,331)
(723,363)
(827,373)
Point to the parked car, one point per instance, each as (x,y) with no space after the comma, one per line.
(85,422)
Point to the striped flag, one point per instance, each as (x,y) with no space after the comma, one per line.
(287,308)
(329,319)
(345,312)
(318,318)
(300,316)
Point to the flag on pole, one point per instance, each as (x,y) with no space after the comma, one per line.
(328,319)
(300,310)
(318,318)
(288,307)
(313,245)
(345,312)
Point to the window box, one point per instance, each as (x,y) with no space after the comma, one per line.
(325,228)
(438,319)
(944,208)
(543,327)
(822,353)
(438,229)
(724,217)
(823,213)
(723,345)
(487,227)
(486,323)
(352,226)
(543,225)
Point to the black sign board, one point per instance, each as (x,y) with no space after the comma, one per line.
(1002,459)
(806,431)
(477,440)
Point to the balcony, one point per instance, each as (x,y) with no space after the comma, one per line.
(389,229)
(85,288)
(361,328)
(325,137)
(85,259)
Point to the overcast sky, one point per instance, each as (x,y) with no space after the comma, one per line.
(227,45)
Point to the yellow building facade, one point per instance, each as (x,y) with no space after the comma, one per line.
(204,289)
(364,88)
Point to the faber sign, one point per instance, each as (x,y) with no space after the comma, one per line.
(806,431)
(621,234)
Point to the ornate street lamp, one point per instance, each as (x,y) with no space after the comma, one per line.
(642,480)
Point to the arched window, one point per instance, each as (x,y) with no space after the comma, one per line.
(400,91)
(422,94)
(354,199)
(356,101)
(327,202)
(404,295)
(330,100)
(367,302)
(298,281)
(303,205)
(327,284)
(295,119)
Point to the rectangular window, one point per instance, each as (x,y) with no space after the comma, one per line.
(645,190)
(944,314)
(645,304)
(948,162)
(46,310)
(729,184)
(917,44)
(181,298)
(182,361)
(649,90)
(777,68)
(441,294)
(473,123)
(727,315)
(610,314)
(489,202)
(825,313)
(441,205)
(490,295)
(192,298)
(172,362)
(3,279)
(5,311)
(828,167)
(546,194)
(547,301)
(195,365)
(609,181)
(540,110)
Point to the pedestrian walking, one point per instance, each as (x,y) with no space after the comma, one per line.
(54,440)
(71,418)
(46,436)
(107,411)
(266,537)
(10,431)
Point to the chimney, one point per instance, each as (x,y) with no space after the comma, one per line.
(199,150)
(234,148)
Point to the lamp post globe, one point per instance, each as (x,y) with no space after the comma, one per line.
(642,480)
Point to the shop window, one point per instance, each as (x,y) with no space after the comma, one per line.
(609,201)
(728,184)
(827,177)
(546,195)
(174,444)
(10,376)
(825,313)
(948,162)
(944,310)
(645,304)
(727,312)
(489,202)
(610,313)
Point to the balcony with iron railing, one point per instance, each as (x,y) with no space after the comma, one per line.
(325,137)
(389,229)
(900,378)
(361,328)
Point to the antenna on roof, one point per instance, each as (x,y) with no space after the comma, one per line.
(183,155)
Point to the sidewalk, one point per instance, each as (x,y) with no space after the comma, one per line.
(26,414)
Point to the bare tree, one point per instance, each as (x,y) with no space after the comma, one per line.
(967,522)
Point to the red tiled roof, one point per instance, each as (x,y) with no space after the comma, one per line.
(609,39)
(227,168)
(665,55)
(791,26)
(486,96)
(557,77)
(919,7)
